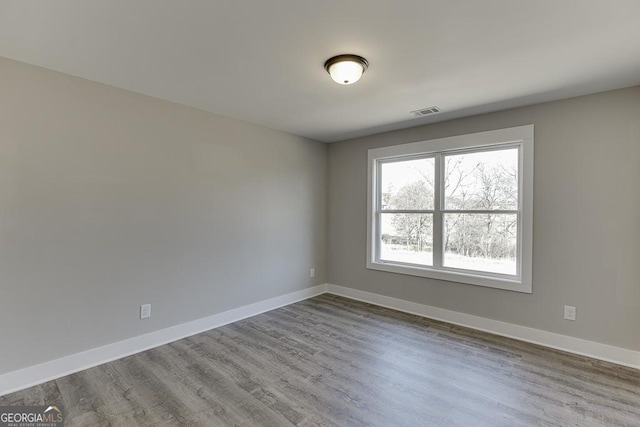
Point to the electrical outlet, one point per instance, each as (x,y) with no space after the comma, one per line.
(145,311)
(312,272)
(569,312)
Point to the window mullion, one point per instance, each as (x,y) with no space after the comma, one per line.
(437,215)
(378,209)
(410,211)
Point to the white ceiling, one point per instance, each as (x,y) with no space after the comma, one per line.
(262,60)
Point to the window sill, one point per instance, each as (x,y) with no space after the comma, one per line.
(453,276)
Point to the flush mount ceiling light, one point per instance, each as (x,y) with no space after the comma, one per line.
(346,69)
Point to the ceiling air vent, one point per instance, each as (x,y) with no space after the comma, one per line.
(425,111)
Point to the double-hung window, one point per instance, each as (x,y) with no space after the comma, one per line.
(457,209)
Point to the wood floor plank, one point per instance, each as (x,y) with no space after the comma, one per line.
(331,361)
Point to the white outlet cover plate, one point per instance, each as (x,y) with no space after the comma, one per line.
(145,311)
(569,312)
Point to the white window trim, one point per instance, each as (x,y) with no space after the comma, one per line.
(522,136)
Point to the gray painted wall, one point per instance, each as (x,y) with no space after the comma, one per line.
(110,199)
(586,220)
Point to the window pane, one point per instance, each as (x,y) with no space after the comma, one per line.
(408,184)
(481,242)
(482,181)
(407,238)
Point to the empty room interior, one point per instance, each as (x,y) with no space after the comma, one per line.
(330,213)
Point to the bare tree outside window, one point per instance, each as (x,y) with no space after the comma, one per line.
(480,202)
(480,216)
(407,235)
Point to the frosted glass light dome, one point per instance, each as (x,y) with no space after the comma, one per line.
(346,69)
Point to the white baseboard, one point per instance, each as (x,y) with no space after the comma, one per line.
(618,355)
(33,375)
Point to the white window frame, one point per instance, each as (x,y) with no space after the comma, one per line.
(521,137)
